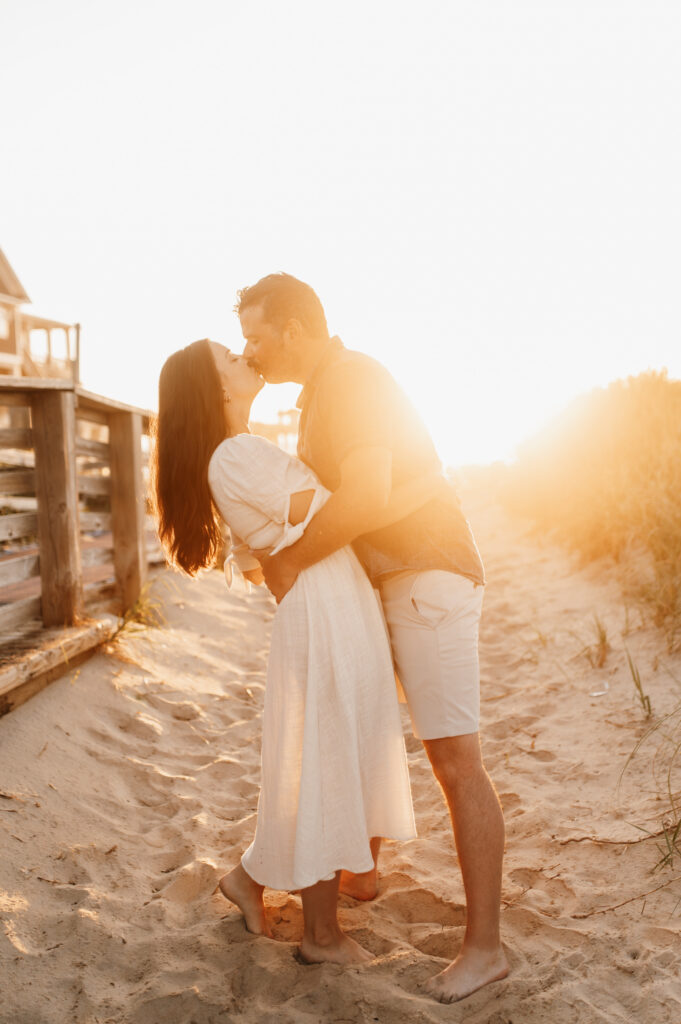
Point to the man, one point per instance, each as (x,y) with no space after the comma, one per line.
(361,436)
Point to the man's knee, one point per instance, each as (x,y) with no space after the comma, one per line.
(454,758)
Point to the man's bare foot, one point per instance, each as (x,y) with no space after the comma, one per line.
(239,888)
(360,887)
(472,969)
(340,949)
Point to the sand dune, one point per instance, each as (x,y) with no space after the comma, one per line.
(131,784)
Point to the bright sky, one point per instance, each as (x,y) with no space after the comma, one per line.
(484,195)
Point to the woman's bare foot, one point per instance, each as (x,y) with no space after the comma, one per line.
(360,887)
(472,969)
(338,948)
(239,888)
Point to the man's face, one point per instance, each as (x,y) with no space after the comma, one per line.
(266,348)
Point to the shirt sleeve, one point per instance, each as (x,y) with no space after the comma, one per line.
(239,556)
(250,470)
(360,401)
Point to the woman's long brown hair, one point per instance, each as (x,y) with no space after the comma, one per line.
(189,427)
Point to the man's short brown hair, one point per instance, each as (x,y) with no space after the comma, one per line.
(283,297)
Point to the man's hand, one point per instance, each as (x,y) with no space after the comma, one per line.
(253,576)
(279,572)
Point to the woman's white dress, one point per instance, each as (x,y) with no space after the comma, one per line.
(334,769)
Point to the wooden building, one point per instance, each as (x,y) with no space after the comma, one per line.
(32,346)
(284,432)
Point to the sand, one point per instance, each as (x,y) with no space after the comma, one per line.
(130,785)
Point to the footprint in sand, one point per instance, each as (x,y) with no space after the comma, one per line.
(162,836)
(506,727)
(222,769)
(509,802)
(548,895)
(143,726)
(180,1004)
(193,881)
(443,945)
(419,906)
(112,740)
(542,755)
(181,710)
(170,860)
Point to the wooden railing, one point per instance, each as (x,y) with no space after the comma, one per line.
(74,528)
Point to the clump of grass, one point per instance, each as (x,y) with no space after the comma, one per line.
(605,478)
(667,774)
(146,613)
(598,652)
(636,676)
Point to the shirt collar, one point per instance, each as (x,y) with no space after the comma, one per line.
(331,352)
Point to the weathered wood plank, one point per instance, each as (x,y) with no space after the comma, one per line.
(93,522)
(102,597)
(96,556)
(93,416)
(30,385)
(127,504)
(16,569)
(19,524)
(60,656)
(17,481)
(16,458)
(18,612)
(99,403)
(84,446)
(9,398)
(16,437)
(94,484)
(58,528)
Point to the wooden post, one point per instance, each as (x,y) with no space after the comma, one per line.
(76,362)
(54,440)
(127,504)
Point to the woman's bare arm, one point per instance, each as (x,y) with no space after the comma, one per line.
(298,508)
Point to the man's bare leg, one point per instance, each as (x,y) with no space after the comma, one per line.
(323,940)
(238,887)
(479,835)
(363,886)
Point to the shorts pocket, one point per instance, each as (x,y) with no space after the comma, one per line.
(431,600)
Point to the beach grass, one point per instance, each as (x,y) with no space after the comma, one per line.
(664,735)
(605,479)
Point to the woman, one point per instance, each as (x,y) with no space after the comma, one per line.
(334,769)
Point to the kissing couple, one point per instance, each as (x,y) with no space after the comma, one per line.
(363,512)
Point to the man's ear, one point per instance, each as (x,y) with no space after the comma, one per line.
(292,333)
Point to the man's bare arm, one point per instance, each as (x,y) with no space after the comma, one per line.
(255,576)
(364,501)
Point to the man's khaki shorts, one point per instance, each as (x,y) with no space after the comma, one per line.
(433,618)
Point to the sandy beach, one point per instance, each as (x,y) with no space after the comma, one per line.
(130,785)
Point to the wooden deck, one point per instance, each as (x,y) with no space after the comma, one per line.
(76,538)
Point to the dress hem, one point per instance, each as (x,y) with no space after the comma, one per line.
(357,870)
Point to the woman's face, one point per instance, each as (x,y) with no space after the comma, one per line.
(238,379)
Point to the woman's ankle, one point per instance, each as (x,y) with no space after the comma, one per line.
(323,934)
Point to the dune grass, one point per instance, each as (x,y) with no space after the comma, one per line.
(664,736)
(605,478)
